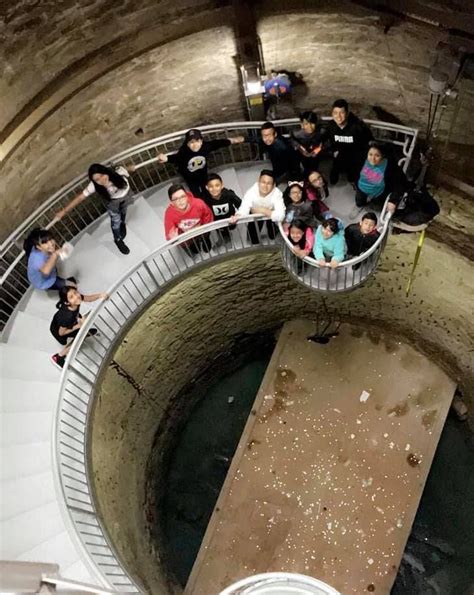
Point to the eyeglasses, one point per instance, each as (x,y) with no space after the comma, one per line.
(180,197)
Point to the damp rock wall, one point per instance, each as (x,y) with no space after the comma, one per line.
(186,329)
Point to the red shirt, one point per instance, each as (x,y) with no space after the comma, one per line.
(197,213)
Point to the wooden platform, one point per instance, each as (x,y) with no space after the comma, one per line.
(331,465)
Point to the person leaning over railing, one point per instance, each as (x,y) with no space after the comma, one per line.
(330,247)
(43,253)
(301,238)
(191,158)
(362,235)
(68,320)
(380,177)
(297,207)
(263,198)
(185,212)
(223,203)
(113,187)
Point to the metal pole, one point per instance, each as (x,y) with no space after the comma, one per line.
(415,262)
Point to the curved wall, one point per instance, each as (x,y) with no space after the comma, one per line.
(161,67)
(186,329)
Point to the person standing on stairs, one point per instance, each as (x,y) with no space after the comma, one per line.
(43,253)
(68,320)
(113,186)
(191,158)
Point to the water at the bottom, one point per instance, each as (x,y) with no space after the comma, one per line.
(439,557)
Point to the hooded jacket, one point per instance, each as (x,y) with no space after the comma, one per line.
(353,139)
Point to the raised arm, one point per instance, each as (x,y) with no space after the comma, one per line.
(70,206)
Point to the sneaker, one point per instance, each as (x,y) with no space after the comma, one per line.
(93,332)
(356,211)
(58,360)
(122,246)
(123,231)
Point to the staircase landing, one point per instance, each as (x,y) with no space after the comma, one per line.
(331,466)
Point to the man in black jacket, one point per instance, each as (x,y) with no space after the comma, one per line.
(349,141)
(285,164)
(191,158)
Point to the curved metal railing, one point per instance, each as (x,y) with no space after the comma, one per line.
(127,297)
(348,274)
(13,280)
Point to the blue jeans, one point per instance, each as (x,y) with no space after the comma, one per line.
(117,210)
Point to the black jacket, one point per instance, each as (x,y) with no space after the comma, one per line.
(353,139)
(396,183)
(357,242)
(193,165)
(283,157)
(226,206)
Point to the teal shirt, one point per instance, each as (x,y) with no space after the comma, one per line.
(334,247)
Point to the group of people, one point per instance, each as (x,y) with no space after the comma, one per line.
(345,143)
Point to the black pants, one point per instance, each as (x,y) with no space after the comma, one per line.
(348,164)
(253,233)
(361,199)
(60,283)
(196,245)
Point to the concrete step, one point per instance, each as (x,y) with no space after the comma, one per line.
(249,175)
(22,460)
(138,249)
(22,494)
(46,521)
(145,223)
(59,549)
(27,364)
(40,304)
(27,395)
(91,277)
(26,426)
(32,332)
(230,179)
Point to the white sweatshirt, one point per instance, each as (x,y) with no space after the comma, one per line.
(273,201)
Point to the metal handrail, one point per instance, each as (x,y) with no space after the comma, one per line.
(140,284)
(340,278)
(13,280)
(76,391)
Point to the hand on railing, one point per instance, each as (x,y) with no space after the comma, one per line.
(162,158)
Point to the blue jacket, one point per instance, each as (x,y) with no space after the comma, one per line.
(334,247)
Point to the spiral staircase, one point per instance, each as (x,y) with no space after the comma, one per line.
(47,511)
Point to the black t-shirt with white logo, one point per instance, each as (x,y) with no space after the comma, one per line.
(192,165)
(225,206)
(65,318)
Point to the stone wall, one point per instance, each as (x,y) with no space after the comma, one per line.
(134,73)
(186,329)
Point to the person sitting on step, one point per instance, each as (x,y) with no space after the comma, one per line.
(263,198)
(113,186)
(185,212)
(223,203)
(191,158)
(68,320)
(330,247)
(43,253)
